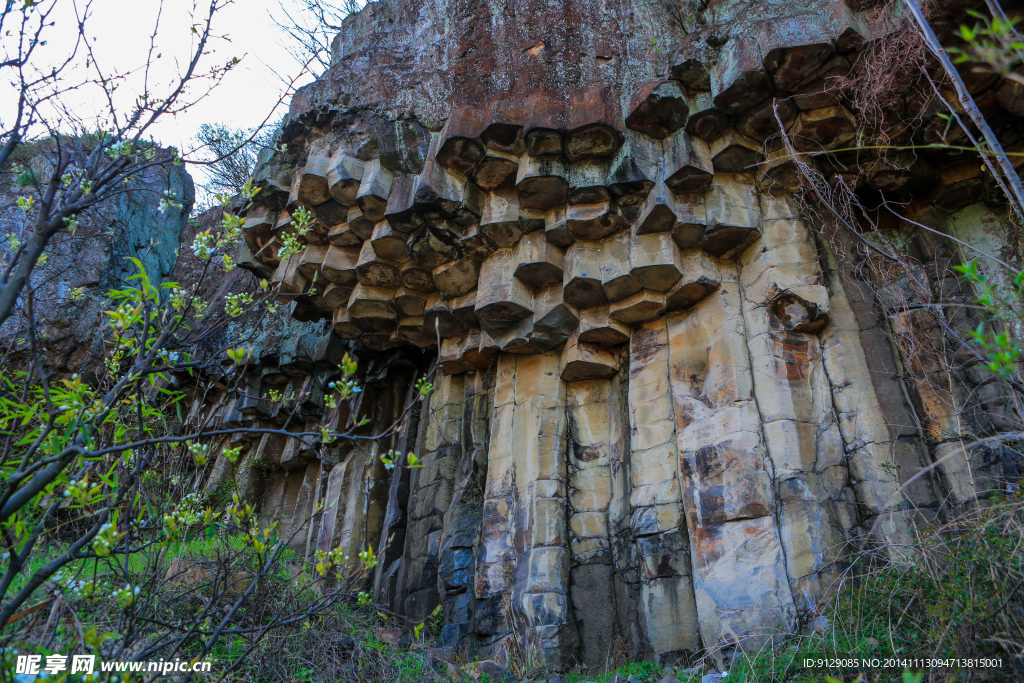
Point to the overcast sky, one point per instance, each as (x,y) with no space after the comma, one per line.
(250,91)
(246,95)
(121,32)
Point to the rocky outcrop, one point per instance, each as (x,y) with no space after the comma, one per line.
(671,403)
(666,413)
(92,259)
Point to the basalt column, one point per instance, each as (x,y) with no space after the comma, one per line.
(671,403)
(785,306)
(739,564)
(598,520)
(523,577)
(660,562)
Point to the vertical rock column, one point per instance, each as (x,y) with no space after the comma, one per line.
(439,449)
(523,569)
(869,403)
(596,492)
(739,567)
(785,307)
(463,518)
(301,523)
(929,370)
(541,538)
(987,406)
(347,504)
(396,514)
(939,400)
(667,613)
(495,568)
(355,497)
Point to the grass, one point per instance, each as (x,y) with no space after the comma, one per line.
(961,597)
(643,671)
(200,547)
(339,647)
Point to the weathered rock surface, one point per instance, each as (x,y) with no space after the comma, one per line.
(667,409)
(663,416)
(94,259)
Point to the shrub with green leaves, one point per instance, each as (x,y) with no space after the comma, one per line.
(998,337)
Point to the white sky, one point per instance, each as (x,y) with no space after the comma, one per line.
(246,96)
(121,32)
(122,28)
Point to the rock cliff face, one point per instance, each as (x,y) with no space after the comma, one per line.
(670,405)
(93,259)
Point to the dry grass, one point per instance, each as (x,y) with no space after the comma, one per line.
(961,598)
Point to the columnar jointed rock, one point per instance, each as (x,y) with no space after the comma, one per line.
(662,416)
